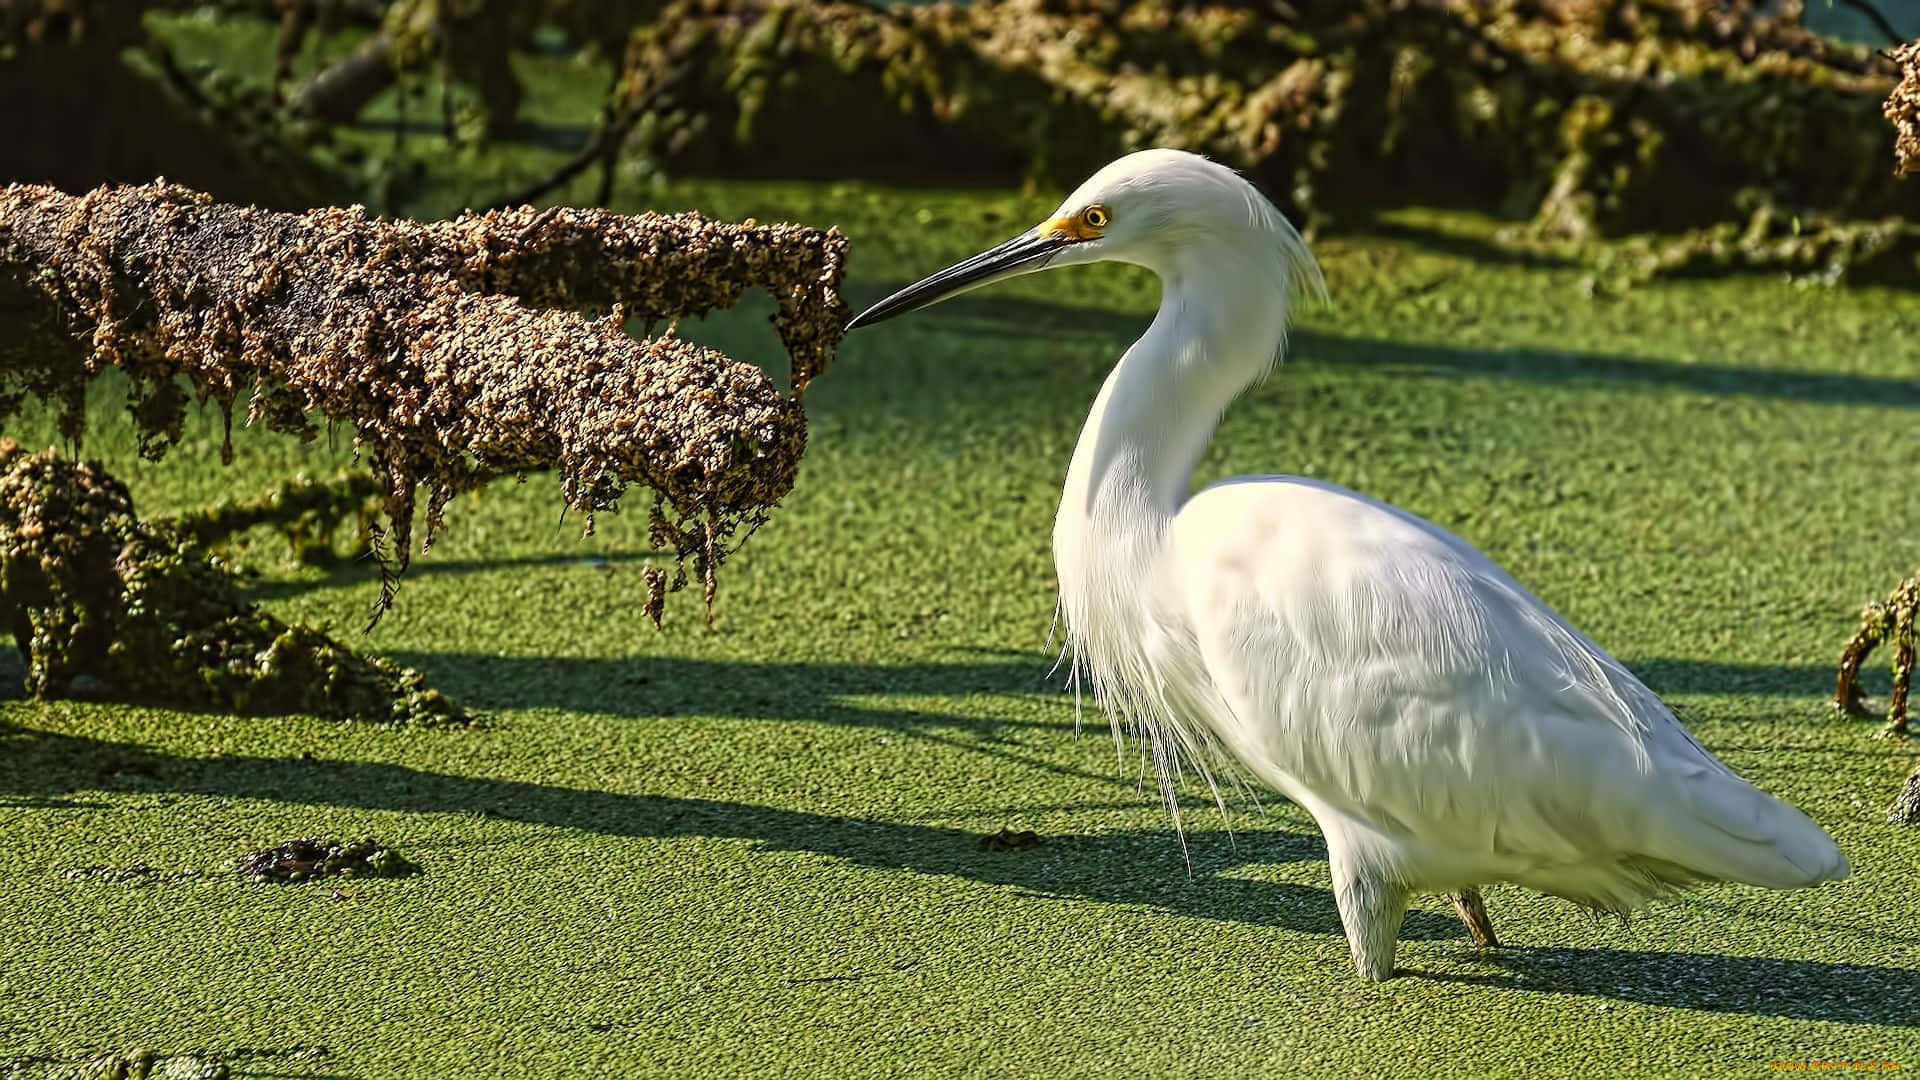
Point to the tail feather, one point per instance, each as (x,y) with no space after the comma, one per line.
(1718,826)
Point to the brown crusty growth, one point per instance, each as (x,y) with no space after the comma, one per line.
(1903,107)
(659,266)
(440,344)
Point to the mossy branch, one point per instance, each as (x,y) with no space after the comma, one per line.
(443,344)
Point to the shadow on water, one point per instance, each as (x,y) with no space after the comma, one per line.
(1144,867)
(1752,985)
(1671,675)
(659,687)
(1012,317)
(348,572)
(650,686)
(1599,369)
(1140,867)
(645,686)
(1471,248)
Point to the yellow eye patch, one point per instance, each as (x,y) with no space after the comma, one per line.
(1086,225)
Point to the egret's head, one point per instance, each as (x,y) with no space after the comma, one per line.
(1154,208)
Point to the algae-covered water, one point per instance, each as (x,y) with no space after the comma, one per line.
(756,847)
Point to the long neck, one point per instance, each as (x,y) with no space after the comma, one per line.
(1222,317)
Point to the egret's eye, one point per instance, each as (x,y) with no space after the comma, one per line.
(1096,217)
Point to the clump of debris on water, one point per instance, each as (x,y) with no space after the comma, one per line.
(310,858)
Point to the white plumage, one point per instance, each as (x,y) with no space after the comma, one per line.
(1444,727)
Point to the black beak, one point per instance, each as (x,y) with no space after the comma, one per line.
(1026,252)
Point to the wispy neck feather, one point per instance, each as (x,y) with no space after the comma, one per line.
(1221,325)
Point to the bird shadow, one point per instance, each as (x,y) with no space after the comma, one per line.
(1143,868)
(1675,675)
(1753,985)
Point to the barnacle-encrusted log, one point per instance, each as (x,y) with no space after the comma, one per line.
(1594,117)
(102,603)
(438,342)
(659,266)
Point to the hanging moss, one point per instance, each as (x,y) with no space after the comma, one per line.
(103,604)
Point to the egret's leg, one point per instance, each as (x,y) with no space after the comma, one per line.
(1371,908)
(1473,911)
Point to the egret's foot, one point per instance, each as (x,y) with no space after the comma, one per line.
(1371,909)
(1473,912)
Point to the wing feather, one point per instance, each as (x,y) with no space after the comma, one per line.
(1375,664)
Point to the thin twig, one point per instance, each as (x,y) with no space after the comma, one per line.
(602,145)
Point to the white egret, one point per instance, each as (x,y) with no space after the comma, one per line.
(1442,725)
